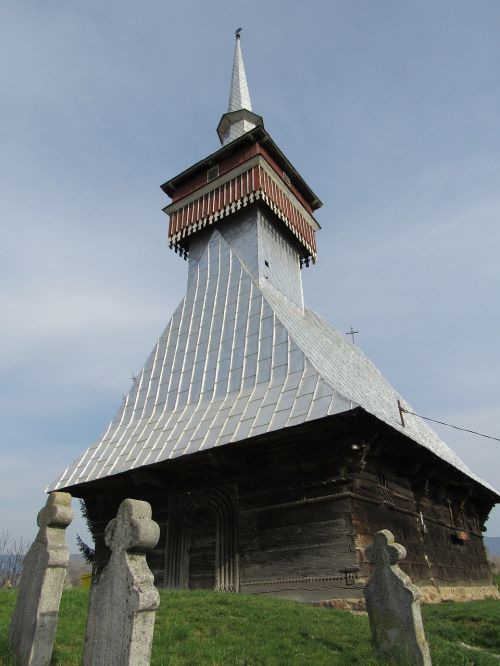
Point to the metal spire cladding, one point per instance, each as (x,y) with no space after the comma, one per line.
(239,95)
(239,118)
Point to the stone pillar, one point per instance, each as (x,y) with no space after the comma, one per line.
(393,605)
(34,622)
(123,599)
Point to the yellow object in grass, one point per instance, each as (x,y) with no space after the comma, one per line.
(85,581)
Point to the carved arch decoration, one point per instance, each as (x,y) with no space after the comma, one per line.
(222,502)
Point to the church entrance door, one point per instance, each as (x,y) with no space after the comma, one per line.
(201,547)
(202,562)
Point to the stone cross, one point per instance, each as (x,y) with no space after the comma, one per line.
(34,621)
(123,599)
(393,605)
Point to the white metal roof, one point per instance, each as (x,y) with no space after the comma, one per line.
(239,95)
(239,358)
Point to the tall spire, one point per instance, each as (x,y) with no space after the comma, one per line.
(239,95)
(239,118)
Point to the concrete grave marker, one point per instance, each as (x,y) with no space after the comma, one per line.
(392,604)
(34,621)
(123,600)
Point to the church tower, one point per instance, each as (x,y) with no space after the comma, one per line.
(270,448)
(251,194)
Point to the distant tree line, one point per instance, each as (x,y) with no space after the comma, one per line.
(12,552)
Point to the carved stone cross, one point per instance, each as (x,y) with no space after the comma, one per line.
(34,621)
(392,604)
(384,551)
(123,600)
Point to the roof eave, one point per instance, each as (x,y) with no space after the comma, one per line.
(233,116)
(495,495)
(253,136)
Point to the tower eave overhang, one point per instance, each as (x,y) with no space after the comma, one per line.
(233,117)
(257,135)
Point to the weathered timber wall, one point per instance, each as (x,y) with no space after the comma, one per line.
(291,517)
(444,543)
(296,537)
(302,550)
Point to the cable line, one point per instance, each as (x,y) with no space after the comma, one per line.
(427,418)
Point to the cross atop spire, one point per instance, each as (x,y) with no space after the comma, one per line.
(239,95)
(239,118)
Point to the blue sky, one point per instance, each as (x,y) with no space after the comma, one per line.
(389,109)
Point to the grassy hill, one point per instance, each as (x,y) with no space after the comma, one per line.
(210,628)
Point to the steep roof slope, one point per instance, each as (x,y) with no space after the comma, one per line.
(237,360)
(345,367)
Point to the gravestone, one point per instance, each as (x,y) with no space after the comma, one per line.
(123,599)
(34,621)
(392,604)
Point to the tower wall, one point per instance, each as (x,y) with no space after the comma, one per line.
(263,249)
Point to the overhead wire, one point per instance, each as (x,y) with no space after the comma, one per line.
(450,425)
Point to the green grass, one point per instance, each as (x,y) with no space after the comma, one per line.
(209,628)
(469,622)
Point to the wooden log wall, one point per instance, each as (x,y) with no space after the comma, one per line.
(296,533)
(439,524)
(292,518)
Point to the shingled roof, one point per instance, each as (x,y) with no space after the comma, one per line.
(239,359)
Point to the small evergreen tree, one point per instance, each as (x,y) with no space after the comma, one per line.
(86,551)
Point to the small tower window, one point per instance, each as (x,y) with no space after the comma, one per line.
(266,262)
(213,173)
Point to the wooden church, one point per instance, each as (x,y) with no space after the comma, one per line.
(269,446)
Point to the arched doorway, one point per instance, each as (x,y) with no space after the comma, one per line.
(202,549)
(202,535)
